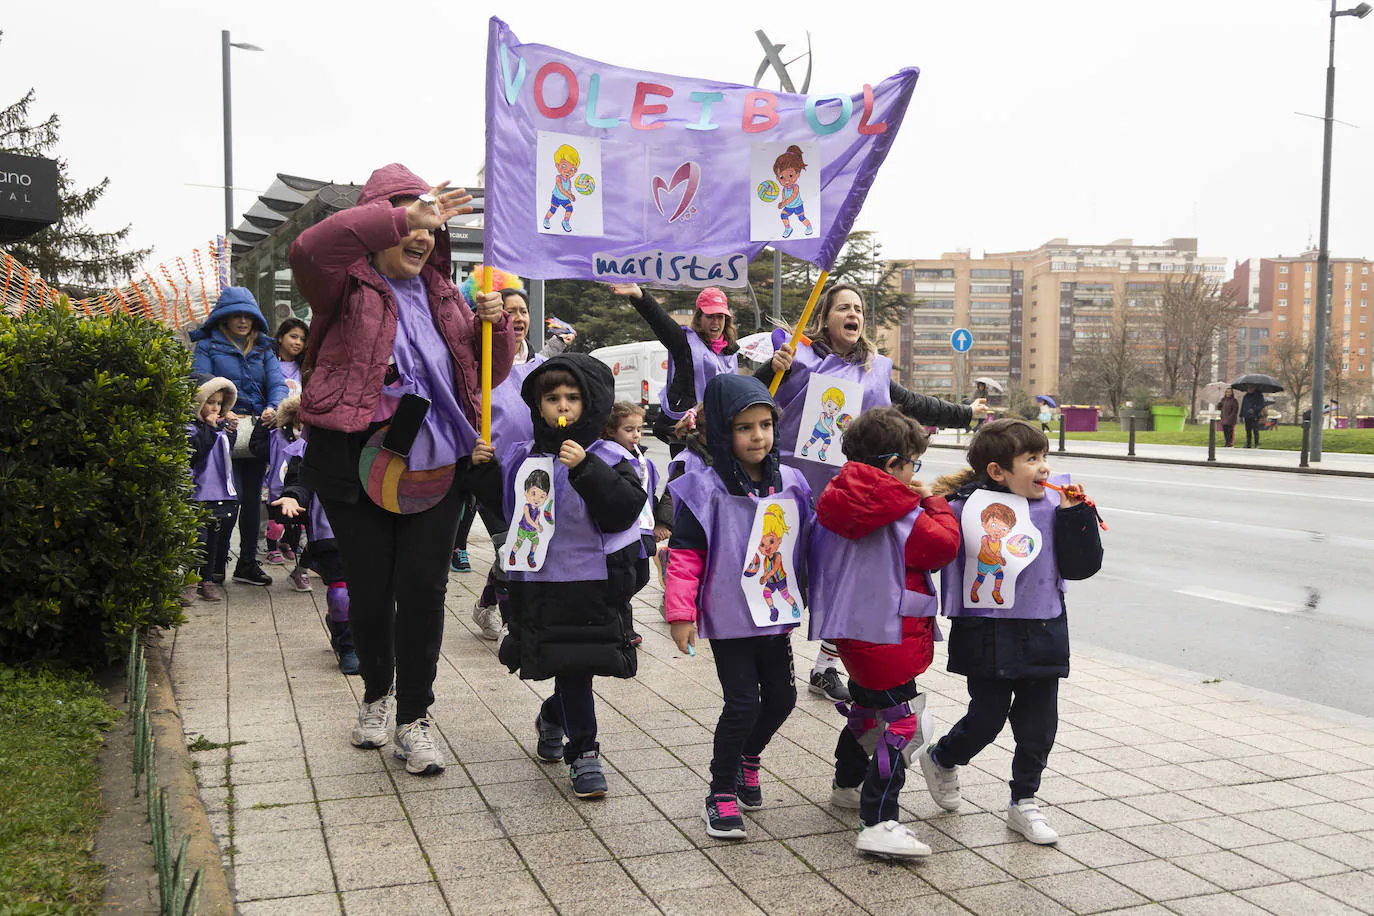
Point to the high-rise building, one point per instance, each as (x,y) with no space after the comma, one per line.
(1280,292)
(1027,308)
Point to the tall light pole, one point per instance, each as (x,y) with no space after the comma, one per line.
(1323,252)
(225,45)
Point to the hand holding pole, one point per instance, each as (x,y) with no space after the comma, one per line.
(805,317)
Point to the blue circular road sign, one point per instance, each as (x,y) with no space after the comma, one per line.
(961,339)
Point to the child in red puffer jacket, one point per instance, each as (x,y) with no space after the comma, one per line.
(879,535)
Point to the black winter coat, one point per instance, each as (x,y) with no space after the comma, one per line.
(582,627)
(991,647)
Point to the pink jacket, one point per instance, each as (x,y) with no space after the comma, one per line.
(353,327)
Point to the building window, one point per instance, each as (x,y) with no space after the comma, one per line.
(1283,286)
(1283,269)
(1283,318)
(1309,268)
(1364,287)
(1283,303)
(1306,302)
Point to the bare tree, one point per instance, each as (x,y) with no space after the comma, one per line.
(1107,366)
(1215,313)
(1290,361)
(1337,359)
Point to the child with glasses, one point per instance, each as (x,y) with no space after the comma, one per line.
(879,535)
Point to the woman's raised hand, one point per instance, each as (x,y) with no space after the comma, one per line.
(626,289)
(488,307)
(447,204)
(782,358)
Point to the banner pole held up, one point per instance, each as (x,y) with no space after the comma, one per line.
(486,363)
(805,318)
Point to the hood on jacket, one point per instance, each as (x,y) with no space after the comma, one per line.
(218,383)
(725,397)
(597,383)
(395,180)
(861,499)
(287,412)
(235,300)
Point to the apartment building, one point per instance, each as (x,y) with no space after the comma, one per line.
(1280,292)
(1026,309)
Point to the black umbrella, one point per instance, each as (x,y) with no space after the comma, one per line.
(1265,383)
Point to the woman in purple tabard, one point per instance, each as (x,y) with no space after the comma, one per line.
(839,349)
(714,518)
(696,354)
(211,433)
(1004,595)
(570,617)
(510,425)
(388,323)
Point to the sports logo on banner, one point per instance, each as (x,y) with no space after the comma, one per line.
(596,172)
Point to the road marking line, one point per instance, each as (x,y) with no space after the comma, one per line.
(1225,597)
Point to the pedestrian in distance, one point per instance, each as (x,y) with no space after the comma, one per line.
(291,337)
(391,340)
(1229,409)
(879,534)
(569,616)
(714,515)
(1012,644)
(211,433)
(233,344)
(1252,414)
(836,347)
(696,354)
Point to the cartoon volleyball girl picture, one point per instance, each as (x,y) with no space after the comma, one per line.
(788,168)
(997,519)
(829,422)
(566,161)
(768,563)
(538,509)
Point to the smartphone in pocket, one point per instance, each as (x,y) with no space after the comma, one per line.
(405,424)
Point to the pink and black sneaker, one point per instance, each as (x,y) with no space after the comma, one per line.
(747,788)
(723,820)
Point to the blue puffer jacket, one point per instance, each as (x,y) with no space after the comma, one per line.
(256,374)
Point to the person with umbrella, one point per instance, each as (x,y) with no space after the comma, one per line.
(1229,408)
(1252,412)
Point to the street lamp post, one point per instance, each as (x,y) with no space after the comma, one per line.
(225,45)
(1323,252)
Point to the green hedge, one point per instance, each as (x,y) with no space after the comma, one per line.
(98,529)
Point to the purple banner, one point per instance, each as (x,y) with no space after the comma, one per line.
(595,172)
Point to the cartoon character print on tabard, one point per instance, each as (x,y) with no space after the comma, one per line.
(532,523)
(1000,541)
(831,403)
(769,577)
(568,189)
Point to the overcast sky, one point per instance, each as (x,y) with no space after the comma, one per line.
(1091,120)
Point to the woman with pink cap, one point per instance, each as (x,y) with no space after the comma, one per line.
(696,354)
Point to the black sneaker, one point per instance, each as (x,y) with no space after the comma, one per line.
(550,746)
(828,683)
(747,788)
(251,574)
(723,820)
(588,781)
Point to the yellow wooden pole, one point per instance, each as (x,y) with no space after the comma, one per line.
(486,363)
(805,318)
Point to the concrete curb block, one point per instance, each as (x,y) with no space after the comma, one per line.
(1191,462)
(183,794)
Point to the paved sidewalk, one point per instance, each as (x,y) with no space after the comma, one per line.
(1172,795)
(1258,457)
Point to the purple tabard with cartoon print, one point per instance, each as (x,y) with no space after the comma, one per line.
(579,549)
(723,610)
(858,587)
(214,482)
(279,453)
(706,365)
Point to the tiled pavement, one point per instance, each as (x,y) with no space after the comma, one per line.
(1172,794)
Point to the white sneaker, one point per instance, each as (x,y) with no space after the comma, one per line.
(841,797)
(488,620)
(1026,818)
(943,782)
(415,745)
(374,723)
(890,840)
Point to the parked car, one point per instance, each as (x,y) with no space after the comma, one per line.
(640,370)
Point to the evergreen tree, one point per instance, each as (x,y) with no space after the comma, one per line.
(68,255)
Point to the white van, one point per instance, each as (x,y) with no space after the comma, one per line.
(640,370)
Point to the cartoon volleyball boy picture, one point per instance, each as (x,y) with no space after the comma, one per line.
(829,422)
(566,162)
(998,520)
(537,488)
(788,168)
(768,563)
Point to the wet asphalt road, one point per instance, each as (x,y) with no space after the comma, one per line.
(1258,577)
